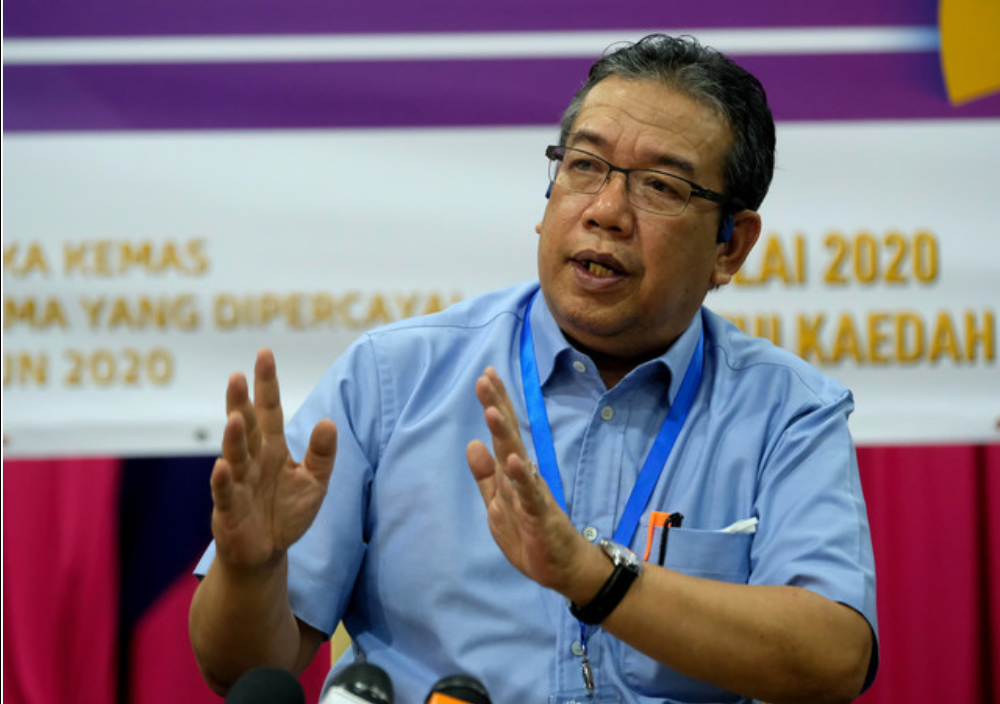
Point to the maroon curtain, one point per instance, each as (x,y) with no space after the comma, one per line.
(936,558)
(97,562)
(937,552)
(60,570)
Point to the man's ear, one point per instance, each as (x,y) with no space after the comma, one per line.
(732,254)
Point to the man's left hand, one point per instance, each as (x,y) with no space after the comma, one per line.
(531,529)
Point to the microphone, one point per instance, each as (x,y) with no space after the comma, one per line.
(458,689)
(266,685)
(360,683)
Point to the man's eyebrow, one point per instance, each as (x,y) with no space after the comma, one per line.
(675,163)
(668,161)
(574,138)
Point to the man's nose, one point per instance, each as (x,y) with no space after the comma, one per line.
(610,208)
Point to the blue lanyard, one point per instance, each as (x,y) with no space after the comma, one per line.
(545,451)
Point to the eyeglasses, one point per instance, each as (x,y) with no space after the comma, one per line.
(650,190)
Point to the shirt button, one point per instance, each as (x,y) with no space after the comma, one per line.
(577,648)
(607,413)
(579,366)
(590,533)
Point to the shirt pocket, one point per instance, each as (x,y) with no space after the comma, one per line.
(711,554)
(699,553)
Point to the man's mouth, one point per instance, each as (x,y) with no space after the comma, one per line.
(600,270)
(600,265)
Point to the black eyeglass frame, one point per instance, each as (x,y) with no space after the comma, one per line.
(556,153)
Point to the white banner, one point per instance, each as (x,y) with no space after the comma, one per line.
(141,269)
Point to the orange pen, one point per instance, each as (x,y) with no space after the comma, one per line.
(657,519)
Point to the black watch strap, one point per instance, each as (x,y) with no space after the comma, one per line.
(608,598)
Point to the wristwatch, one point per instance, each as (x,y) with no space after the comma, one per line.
(627,568)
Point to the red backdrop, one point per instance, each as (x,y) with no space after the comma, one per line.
(97,557)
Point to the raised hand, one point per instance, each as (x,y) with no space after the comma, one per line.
(264,501)
(527,524)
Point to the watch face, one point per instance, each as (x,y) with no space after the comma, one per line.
(621,555)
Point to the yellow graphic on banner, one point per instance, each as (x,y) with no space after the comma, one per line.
(970,48)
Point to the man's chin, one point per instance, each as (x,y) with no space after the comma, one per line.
(591,327)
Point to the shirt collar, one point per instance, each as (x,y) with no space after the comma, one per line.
(551,344)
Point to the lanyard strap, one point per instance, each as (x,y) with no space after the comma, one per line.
(545,450)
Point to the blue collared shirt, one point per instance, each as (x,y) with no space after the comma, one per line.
(401,550)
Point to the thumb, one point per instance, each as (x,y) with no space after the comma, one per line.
(322,450)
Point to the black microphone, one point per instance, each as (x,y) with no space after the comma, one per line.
(360,683)
(266,685)
(458,689)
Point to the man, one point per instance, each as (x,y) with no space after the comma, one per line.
(610,399)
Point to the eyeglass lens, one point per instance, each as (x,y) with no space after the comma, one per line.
(654,191)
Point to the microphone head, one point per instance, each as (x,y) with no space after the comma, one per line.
(458,689)
(266,685)
(366,681)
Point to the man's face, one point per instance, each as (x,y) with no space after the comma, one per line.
(621,281)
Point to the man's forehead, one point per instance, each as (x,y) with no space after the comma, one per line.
(659,125)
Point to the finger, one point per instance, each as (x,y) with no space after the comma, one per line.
(483,468)
(496,488)
(506,490)
(267,397)
(221,483)
(506,437)
(500,416)
(238,400)
(503,398)
(502,422)
(234,447)
(526,484)
(491,392)
(237,393)
(321,451)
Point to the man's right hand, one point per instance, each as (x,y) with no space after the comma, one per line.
(264,500)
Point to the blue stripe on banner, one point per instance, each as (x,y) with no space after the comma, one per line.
(291,95)
(30,18)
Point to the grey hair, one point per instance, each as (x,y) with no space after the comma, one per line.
(710,78)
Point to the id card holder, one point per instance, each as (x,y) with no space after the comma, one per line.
(604,694)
